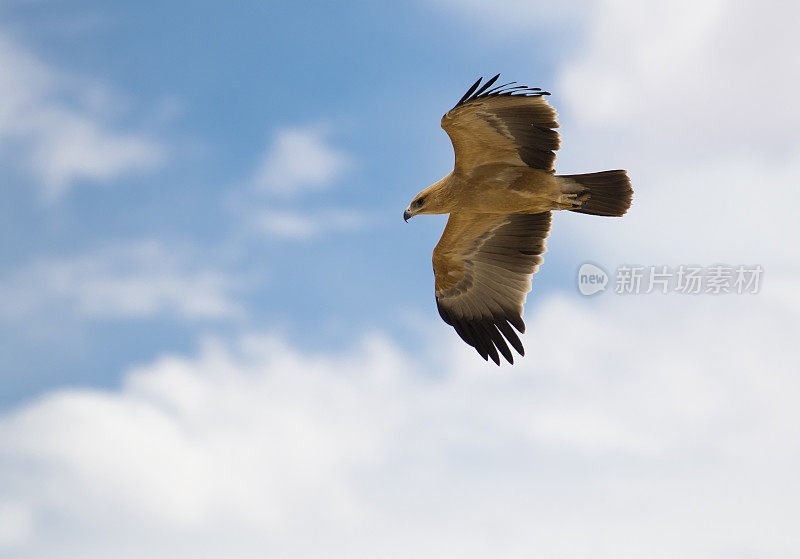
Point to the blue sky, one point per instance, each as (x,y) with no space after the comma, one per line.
(219,337)
(208,88)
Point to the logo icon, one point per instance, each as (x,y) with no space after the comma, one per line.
(591,279)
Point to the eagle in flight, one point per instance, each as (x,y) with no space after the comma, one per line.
(500,195)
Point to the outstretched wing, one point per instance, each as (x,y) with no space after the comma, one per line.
(483,266)
(507,124)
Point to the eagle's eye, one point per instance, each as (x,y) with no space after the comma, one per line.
(419,201)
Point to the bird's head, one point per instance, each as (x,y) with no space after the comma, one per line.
(417,206)
(432,200)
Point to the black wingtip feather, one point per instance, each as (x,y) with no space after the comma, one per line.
(475,342)
(493,354)
(474,93)
(498,340)
(511,336)
(483,342)
(486,86)
(517,322)
(489,340)
(499,87)
(487,336)
(469,91)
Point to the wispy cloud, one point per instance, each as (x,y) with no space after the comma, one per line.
(62,127)
(306,225)
(133,280)
(256,444)
(298,160)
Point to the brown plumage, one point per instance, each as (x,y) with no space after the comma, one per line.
(499,196)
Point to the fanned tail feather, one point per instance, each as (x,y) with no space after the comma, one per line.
(607,193)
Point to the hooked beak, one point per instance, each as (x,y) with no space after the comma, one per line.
(407,215)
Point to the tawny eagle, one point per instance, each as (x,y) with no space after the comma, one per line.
(499,196)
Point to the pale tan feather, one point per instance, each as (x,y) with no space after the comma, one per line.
(483,266)
(511,130)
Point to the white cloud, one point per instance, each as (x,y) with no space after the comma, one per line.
(63,125)
(300,159)
(696,99)
(16,523)
(141,279)
(682,73)
(661,428)
(305,225)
